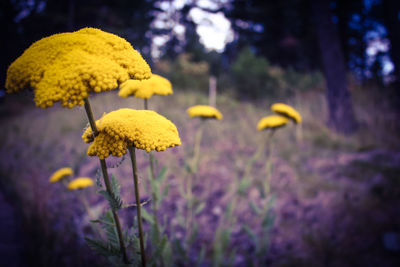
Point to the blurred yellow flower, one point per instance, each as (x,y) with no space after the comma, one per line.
(60,174)
(144,129)
(272,122)
(80,183)
(204,111)
(66,67)
(287,111)
(145,89)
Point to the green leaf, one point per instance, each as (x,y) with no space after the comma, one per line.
(165,191)
(102,248)
(167,254)
(188,168)
(254,207)
(250,233)
(268,220)
(201,256)
(115,187)
(243,186)
(110,229)
(146,216)
(160,247)
(199,208)
(162,174)
(193,234)
(114,201)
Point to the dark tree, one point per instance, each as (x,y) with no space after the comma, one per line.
(281,31)
(391,9)
(341,115)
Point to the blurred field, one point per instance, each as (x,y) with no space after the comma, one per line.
(335,199)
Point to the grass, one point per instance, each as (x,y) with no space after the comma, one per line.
(313,180)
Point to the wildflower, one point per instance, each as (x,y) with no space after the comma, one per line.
(80,183)
(287,111)
(60,174)
(144,129)
(146,88)
(272,122)
(204,111)
(66,67)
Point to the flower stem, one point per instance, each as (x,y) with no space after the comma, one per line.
(268,164)
(139,213)
(107,182)
(153,194)
(197,146)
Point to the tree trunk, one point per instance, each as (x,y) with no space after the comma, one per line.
(340,107)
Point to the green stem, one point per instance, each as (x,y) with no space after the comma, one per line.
(189,185)
(153,194)
(89,113)
(107,182)
(268,164)
(197,146)
(139,213)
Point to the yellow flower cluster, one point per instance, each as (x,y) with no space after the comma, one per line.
(80,183)
(272,122)
(66,67)
(287,111)
(60,174)
(145,89)
(144,129)
(204,111)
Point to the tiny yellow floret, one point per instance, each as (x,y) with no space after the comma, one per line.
(60,174)
(80,183)
(204,111)
(143,129)
(66,67)
(287,111)
(156,85)
(272,122)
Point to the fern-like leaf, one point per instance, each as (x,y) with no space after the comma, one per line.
(102,248)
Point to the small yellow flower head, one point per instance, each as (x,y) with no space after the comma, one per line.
(287,111)
(144,129)
(60,174)
(66,67)
(145,89)
(204,111)
(80,183)
(272,122)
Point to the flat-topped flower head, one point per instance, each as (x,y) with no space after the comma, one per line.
(272,122)
(204,111)
(287,111)
(144,129)
(145,89)
(66,67)
(60,174)
(79,183)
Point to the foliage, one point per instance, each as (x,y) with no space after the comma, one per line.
(254,76)
(184,73)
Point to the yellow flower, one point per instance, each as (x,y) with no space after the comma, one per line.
(119,129)
(145,89)
(272,122)
(287,111)
(66,67)
(60,174)
(204,111)
(79,183)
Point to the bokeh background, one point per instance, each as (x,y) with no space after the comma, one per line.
(334,179)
